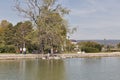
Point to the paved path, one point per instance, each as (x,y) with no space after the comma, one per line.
(34,56)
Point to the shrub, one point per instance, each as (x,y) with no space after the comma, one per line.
(90,46)
(89,49)
(7,49)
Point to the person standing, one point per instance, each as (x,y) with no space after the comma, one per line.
(20,50)
(24,50)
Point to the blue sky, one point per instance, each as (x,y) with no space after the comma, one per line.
(8,13)
(94,19)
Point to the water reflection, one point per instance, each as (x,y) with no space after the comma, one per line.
(93,68)
(68,69)
(32,70)
(9,70)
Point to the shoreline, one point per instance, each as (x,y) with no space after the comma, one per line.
(39,56)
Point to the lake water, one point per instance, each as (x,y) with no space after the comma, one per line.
(67,69)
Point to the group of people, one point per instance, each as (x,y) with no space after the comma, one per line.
(23,50)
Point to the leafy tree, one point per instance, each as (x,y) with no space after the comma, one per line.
(1,36)
(9,35)
(6,32)
(118,45)
(14,36)
(69,46)
(48,19)
(4,23)
(22,31)
(6,37)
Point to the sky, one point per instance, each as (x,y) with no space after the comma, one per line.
(93,19)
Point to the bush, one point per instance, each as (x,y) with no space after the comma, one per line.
(90,49)
(7,49)
(90,46)
(32,47)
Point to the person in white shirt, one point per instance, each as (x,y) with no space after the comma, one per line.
(20,50)
(24,50)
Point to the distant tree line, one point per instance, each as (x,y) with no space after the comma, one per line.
(14,37)
(24,34)
(45,31)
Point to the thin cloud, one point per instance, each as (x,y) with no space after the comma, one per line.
(92,1)
(92,7)
(82,12)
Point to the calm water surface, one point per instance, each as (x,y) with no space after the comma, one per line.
(67,69)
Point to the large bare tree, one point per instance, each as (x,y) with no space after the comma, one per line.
(47,16)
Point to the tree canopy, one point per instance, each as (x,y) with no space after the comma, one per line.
(49,21)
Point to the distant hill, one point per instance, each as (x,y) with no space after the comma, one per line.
(104,42)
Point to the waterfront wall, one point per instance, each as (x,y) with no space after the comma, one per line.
(34,56)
